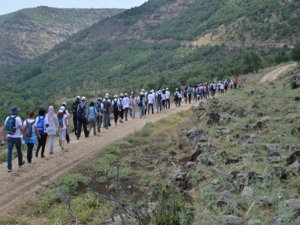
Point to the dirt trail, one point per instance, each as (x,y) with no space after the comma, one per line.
(22,183)
(274,74)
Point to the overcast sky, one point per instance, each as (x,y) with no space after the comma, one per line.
(7,6)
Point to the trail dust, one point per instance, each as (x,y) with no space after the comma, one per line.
(23,182)
(274,74)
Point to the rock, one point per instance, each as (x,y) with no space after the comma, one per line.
(213,118)
(276,159)
(195,154)
(265,119)
(207,159)
(295,81)
(247,193)
(293,158)
(266,201)
(197,135)
(254,222)
(279,221)
(229,220)
(190,165)
(295,131)
(292,203)
(260,125)
(297,98)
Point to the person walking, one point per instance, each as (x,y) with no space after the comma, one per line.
(142,103)
(62,126)
(158,101)
(151,100)
(74,111)
(164,98)
(99,108)
(189,93)
(30,134)
(168,95)
(12,131)
(51,124)
(133,103)
(106,110)
(125,105)
(41,124)
(66,112)
(121,109)
(82,118)
(115,108)
(92,114)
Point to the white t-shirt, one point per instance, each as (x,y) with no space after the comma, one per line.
(151,99)
(168,95)
(125,102)
(18,133)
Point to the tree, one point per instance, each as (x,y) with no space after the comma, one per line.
(296,53)
(253,62)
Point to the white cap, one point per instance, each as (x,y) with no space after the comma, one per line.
(143,90)
(167,88)
(78,97)
(83,98)
(64,103)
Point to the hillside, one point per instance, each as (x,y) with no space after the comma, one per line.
(28,33)
(159,43)
(230,160)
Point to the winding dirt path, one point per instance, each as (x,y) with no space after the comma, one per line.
(274,74)
(22,183)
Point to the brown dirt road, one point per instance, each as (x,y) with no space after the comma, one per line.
(22,183)
(274,74)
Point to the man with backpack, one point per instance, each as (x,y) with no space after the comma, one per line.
(121,109)
(115,109)
(150,100)
(168,95)
(106,110)
(99,107)
(92,115)
(74,111)
(12,128)
(125,105)
(158,101)
(82,118)
(189,93)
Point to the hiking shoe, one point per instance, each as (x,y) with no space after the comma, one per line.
(22,163)
(9,170)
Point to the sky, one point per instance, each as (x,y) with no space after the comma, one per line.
(8,6)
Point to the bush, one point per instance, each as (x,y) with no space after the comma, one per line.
(71,182)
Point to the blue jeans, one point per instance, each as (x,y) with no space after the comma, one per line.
(106,119)
(10,144)
(142,110)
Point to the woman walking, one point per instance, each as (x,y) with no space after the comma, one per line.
(92,114)
(41,126)
(51,127)
(62,126)
(30,134)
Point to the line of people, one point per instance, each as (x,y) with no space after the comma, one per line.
(37,130)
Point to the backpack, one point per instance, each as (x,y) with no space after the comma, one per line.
(106,105)
(92,112)
(141,100)
(176,97)
(10,125)
(60,118)
(115,106)
(81,113)
(99,107)
(41,124)
(159,97)
(28,129)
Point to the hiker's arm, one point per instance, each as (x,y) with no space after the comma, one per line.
(4,134)
(37,132)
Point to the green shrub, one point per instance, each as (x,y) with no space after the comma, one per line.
(71,182)
(46,200)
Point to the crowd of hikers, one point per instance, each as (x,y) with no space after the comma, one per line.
(95,115)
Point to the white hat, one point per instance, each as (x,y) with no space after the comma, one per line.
(78,97)
(116,96)
(64,104)
(83,98)
(143,90)
(167,88)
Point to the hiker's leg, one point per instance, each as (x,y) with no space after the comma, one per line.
(18,143)
(10,145)
(29,152)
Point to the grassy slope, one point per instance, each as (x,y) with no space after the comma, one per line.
(117,50)
(149,162)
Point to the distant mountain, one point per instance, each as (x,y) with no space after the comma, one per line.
(162,42)
(28,33)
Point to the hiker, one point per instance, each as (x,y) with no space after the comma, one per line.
(222,88)
(235,82)
(74,111)
(121,109)
(51,124)
(106,110)
(82,118)
(12,131)
(151,100)
(226,84)
(133,103)
(168,95)
(66,112)
(30,134)
(164,98)
(176,97)
(180,97)
(189,92)
(141,103)
(125,105)
(99,107)
(231,85)
(92,115)
(41,126)
(115,108)
(62,126)
(158,101)
(184,95)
